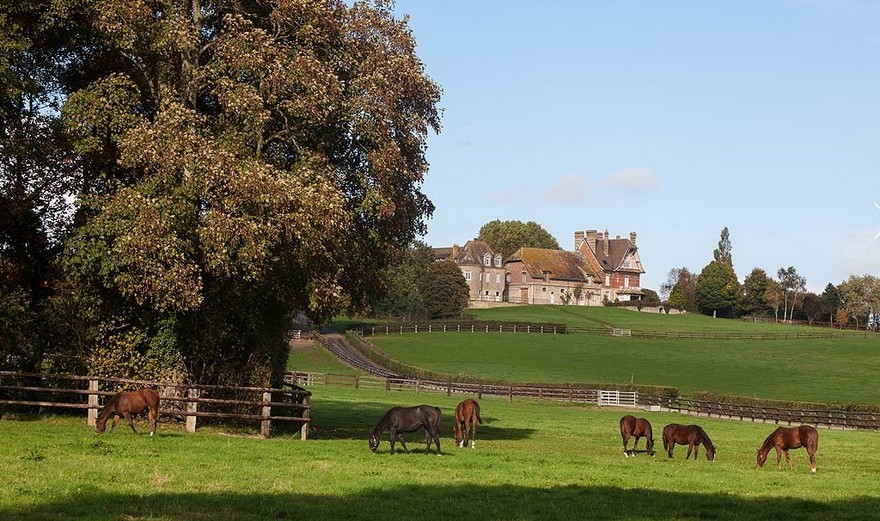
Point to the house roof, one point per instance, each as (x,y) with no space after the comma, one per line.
(441,254)
(559,264)
(618,248)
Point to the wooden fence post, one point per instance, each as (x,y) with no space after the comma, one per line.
(307,414)
(93,403)
(192,407)
(266,424)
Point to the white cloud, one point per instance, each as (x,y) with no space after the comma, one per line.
(641,179)
(569,189)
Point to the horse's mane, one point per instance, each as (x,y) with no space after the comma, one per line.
(768,442)
(706,441)
(382,423)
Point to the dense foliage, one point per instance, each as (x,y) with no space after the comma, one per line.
(233,163)
(505,237)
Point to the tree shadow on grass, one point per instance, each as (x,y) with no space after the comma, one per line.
(487,503)
(348,420)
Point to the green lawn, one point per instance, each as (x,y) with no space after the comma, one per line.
(533,461)
(311,357)
(819,370)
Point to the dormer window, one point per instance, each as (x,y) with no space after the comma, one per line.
(498,260)
(487,260)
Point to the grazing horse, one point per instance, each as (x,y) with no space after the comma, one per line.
(632,427)
(409,419)
(126,404)
(690,435)
(784,438)
(467,416)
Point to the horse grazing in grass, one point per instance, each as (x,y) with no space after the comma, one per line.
(409,419)
(127,403)
(630,426)
(467,416)
(690,435)
(784,438)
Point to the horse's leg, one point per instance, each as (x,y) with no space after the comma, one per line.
(690,449)
(625,443)
(779,458)
(152,415)
(402,442)
(812,454)
(392,437)
(474,432)
(787,458)
(670,447)
(113,425)
(130,421)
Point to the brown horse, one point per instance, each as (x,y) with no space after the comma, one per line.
(467,416)
(784,438)
(637,428)
(690,435)
(127,403)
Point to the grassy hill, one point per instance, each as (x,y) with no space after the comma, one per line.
(826,369)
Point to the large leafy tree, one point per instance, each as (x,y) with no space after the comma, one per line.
(831,301)
(239,160)
(754,289)
(793,287)
(861,297)
(505,237)
(444,290)
(679,288)
(717,290)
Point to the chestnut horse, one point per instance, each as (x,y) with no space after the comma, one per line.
(784,438)
(408,419)
(637,428)
(467,416)
(127,403)
(690,435)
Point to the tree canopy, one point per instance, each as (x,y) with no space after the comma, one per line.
(505,237)
(717,290)
(233,163)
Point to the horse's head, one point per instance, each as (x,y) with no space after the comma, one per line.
(762,457)
(374,442)
(100,425)
(710,453)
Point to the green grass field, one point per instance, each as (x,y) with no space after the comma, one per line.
(533,461)
(819,370)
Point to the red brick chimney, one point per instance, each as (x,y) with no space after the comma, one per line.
(605,244)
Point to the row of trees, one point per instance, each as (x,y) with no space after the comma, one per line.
(231,163)
(716,291)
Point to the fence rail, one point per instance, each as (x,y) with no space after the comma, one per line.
(261,404)
(601,397)
(510,327)
(824,417)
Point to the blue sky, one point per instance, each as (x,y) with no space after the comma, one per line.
(672,119)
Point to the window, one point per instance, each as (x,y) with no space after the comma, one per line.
(626,282)
(607,280)
(487,261)
(467,275)
(498,261)
(498,278)
(507,278)
(546,276)
(524,279)
(481,276)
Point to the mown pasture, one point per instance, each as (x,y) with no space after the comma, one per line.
(533,461)
(836,369)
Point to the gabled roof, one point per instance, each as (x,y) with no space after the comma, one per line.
(558,264)
(442,254)
(473,252)
(618,250)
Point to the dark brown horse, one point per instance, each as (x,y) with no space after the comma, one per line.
(636,428)
(690,435)
(784,438)
(127,403)
(409,419)
(467,416)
